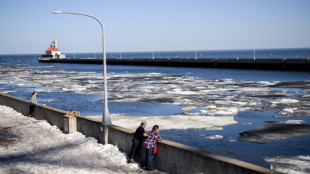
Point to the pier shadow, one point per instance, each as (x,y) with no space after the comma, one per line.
(39,157)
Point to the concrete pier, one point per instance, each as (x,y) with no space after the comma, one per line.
(300,64)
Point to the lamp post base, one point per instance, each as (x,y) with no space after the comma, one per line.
(105,130)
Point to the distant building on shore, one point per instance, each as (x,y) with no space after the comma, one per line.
(53,52)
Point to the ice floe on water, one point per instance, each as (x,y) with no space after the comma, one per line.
(42,148)
(291,164)
(188,91)
(288,101)
(199,97)
(277,131)
(293,122)
(214,128)
(171,122)
(216,137)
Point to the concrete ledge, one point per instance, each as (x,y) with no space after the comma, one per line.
(172,157)
(294,64)
(18,104)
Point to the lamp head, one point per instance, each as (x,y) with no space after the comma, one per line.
(57,12)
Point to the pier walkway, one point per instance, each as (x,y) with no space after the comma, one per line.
(298,64)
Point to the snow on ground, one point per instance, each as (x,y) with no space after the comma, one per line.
(41,148)
(170,122)
(290,165)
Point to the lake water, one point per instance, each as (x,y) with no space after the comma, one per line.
(22,74)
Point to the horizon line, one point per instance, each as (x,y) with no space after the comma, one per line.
(164,51)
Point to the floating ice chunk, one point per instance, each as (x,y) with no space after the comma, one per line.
(180,92)
(282,116)
(171,122)
(253,103)
(153,73)
(231,139)
(248,89)
(186,100)
(289,110)
(203,111)
(76,87)
(188,108)
(288,101)
(21,84)
(216,137)
(51,100)
(239,103)
(275,131)
(211,87)
(211,107)
(222,102)
(214,128)
(274,103)
(227,111)
(291,164)
(266,83)
(247,123)
(189,93)
(293,122)
(66,89)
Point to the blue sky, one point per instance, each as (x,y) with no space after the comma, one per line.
(160,25)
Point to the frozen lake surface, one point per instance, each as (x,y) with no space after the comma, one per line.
(203,108)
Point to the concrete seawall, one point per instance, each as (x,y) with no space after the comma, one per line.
(300,64)
(172,157)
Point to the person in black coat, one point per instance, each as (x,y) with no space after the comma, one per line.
(137,141)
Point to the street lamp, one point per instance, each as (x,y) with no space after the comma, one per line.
(106,120)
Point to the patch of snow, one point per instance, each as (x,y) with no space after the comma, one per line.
(42,148)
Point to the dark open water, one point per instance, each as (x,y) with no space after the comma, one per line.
(250,152)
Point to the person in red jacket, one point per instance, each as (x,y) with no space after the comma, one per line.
(149,144)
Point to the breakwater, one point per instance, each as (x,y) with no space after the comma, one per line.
(172,157)
(295,64)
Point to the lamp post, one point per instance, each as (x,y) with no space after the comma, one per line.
(106,120)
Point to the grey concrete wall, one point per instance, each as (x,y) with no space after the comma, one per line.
(41,112)
(20,105)
(172,157)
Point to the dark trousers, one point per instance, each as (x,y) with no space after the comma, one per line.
(134,147)
(148,158)
(31,108)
